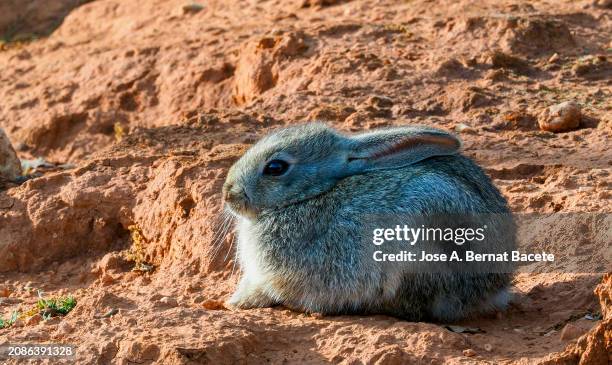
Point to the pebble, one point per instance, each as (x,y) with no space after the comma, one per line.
(560,117)
(464,128)
(169,301)
(488,347)
(469,352)
(570,331)
(554,58)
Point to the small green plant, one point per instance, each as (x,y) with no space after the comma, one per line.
(56,306)
(53,307)
(6,323)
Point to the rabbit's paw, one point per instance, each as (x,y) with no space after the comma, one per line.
(253,298)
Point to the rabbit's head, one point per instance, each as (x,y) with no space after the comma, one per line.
(298,163)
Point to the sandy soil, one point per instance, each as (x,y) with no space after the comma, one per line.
(146,105)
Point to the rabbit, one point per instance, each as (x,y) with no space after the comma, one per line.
(299,196)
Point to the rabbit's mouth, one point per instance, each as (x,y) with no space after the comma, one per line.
(239,203)
(241,209)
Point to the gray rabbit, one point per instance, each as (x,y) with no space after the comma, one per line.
(301,195)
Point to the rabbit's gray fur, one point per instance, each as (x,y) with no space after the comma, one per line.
(300,241)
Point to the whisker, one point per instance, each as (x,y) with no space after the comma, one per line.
(223,227)
(235,259)
(224,221)
(229,250)
(220,242)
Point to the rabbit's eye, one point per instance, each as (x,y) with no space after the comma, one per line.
(276,168)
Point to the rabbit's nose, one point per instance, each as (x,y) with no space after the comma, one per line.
(227,186)
(230,193)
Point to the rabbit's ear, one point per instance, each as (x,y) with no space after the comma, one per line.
(398,147)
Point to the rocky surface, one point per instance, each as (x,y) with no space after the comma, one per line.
(23,20)
(154,103)
(10,166)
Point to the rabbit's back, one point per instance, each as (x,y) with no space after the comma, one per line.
(445,184)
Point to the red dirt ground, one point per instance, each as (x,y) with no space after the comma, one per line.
(150,102)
